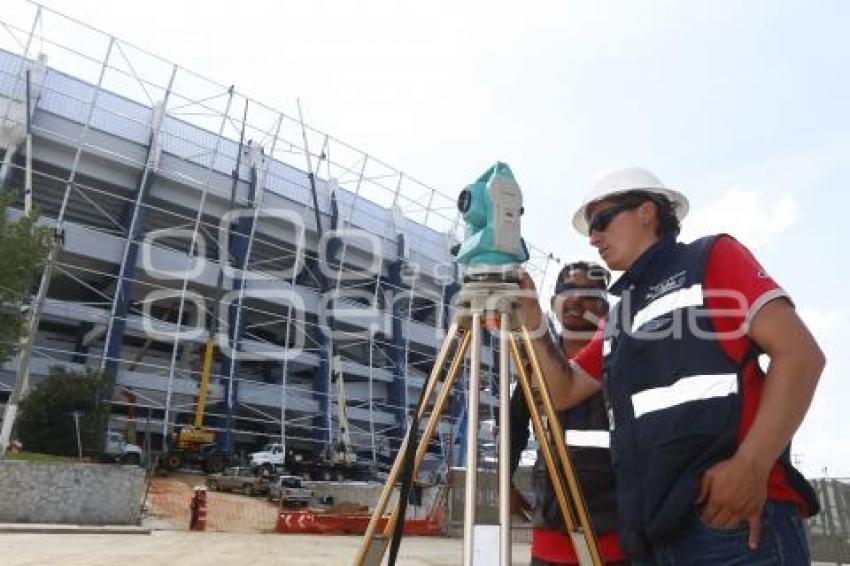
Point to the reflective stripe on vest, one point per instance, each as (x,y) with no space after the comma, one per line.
(587,438)
(685,390)
(681,299)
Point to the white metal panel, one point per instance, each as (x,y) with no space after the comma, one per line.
(269,395)
(378,374)
(378,417)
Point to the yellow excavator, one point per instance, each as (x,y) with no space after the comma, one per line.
(195,445)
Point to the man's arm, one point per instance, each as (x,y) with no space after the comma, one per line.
(567,386)
(736,489)
(796,363)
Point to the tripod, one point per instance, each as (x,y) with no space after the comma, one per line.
(494,304)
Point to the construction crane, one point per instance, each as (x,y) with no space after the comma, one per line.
(341,451)
(196,444)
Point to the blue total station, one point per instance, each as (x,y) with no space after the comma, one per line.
(491,208)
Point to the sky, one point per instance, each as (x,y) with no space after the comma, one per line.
(741,105)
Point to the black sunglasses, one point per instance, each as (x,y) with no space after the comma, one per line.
(583,292)
(600,222)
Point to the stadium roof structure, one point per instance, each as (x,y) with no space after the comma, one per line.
(166,184)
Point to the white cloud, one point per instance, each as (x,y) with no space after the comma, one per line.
(753,217)
(823,323)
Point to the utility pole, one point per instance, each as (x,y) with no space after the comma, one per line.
(76,415)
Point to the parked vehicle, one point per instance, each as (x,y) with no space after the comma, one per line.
(268,459)
(238,479)
(117,449)
(330,466)
(337,461)
(290,491)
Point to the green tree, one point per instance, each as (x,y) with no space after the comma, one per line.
(23,250)
(46,423)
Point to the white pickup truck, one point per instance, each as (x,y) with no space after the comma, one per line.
(289,490)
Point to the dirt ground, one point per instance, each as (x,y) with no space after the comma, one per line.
(168,504)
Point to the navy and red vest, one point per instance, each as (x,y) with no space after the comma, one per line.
(673,394)
(588,440)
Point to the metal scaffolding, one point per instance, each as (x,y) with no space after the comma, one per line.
(178,197)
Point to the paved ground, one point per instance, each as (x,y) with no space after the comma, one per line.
(240,531)
(167,548)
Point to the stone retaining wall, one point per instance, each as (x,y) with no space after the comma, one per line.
(83,494)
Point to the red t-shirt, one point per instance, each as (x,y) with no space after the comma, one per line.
(730,267)
(556,546)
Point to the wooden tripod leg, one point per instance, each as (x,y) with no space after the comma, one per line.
(380,506)
(434,418)
(431,384)
(367,552)
(542,438)
(563,456)
(442,399)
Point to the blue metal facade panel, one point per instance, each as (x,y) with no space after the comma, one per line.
(66,97)
(366,214)
(197,145)
(10,84)
(70,98)
(122,118)
(290,182)
(372,218)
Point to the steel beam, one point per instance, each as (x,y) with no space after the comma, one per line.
(397,389)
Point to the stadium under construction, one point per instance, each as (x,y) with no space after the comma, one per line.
(173,197)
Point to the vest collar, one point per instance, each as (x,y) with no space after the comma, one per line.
(637,271)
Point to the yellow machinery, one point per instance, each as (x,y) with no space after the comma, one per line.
(195,444)
(196,435)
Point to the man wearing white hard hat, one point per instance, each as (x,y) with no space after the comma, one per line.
(700,434)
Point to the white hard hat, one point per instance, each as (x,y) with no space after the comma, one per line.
(622,181)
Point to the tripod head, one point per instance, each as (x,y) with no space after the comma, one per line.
(493,246)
